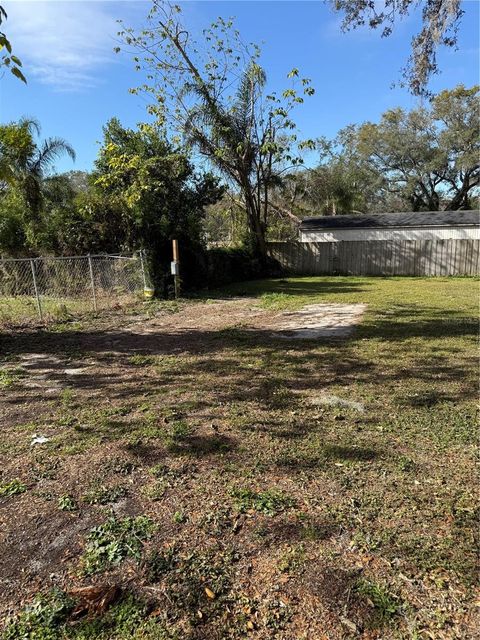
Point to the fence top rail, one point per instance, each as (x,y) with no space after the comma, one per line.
(98,255)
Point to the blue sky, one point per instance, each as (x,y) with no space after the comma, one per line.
(76,82)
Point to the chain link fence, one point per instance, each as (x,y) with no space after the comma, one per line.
(56,288)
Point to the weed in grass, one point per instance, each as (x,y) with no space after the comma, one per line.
(157,563)
(45,468)
(235,334)
(67,420)
(276,301)
(12,488)
(201,580)
(178,431)
(42,619)
(140,360)
(310,529)
(219,522)
(278,615)
(67,503)
(174,475)
(9,377)
(269,502)
(179,517)
(120,466)
(384,603)
(161,471)
(73,449)
(66,398)
(164,364)
(405,463)
(292,559)
(110,543)
(104,495)
(156,491)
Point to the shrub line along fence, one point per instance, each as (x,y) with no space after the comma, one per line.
(52,286)
(380,257)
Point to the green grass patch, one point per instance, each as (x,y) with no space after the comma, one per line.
(110,543)
(12,488)
(9,377)
(48,618)
(105,495)
(383,602)
(270,503)
(67,503)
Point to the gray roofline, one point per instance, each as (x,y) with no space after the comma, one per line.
(406,226)
(401,220)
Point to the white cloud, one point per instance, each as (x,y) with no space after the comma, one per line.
(63,44)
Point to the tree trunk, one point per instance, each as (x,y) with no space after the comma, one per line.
(256,227)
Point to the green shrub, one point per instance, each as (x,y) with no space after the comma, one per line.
(111,542)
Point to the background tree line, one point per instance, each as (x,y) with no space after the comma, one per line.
(144,189)
(426,159)
(231,170)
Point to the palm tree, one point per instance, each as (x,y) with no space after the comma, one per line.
(236,139)
(25,163)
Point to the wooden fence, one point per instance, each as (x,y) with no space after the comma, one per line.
(380,257)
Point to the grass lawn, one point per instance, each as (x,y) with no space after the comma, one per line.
(203,479)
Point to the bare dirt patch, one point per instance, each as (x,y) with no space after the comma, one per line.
(318,321)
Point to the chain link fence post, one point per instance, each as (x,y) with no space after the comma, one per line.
(35,288)
(142,264)
(92,281)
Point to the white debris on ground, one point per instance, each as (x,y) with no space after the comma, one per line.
(38,439)
(74,372)
(319,321)
(335,401)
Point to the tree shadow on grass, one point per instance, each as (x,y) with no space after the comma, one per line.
(287,530)
(202,445)
(290,287)
(221,369)
(360,454)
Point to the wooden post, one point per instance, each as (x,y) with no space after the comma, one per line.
(176,268)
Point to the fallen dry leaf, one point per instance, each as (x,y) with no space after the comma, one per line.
(209,593)
(93,599)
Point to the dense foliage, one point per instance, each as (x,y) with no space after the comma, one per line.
(158,194)
(142,193)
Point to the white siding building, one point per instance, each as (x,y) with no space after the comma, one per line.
(423,225)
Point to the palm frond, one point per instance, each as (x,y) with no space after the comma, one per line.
(51,150)
(32,125)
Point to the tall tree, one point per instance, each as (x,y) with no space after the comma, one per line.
(26,163)
(213,93)
(440,23)
(427,158)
